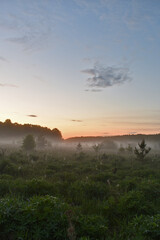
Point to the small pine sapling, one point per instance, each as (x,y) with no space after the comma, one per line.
(142,151)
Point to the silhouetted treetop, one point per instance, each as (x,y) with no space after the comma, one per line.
(57,134)
(7,122)
(9,130)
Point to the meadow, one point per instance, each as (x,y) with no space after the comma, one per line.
(75,194)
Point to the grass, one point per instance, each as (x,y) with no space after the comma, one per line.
(105,204)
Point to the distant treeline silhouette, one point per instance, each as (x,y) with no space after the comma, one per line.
(126,138)
(11,130)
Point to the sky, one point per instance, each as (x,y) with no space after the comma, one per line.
(86,67)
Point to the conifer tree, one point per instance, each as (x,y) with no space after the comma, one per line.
(142,151)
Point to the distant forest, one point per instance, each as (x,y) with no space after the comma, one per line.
(9,130)
(120,138)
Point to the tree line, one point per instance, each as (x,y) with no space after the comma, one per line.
(12,130)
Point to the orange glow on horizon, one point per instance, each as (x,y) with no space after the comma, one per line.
(116,133)
(70,130)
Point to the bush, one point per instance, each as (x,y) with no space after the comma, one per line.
(39,187)
(145,227)
(38,218)
(133,203)
(9,168)
(94,227)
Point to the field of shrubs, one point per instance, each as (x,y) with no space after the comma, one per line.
(65,194)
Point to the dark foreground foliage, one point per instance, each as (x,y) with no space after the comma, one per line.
(59,195)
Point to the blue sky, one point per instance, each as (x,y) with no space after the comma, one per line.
(87,67)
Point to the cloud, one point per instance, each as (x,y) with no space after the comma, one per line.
(8,85)
(132,133)
(87,60)
(39,78)
(18,40)
(150,129)
(103,77)
(76,120)
(32,115)
(132,14)
(93,90)
(29,42)
(32,24)
(106,133)
(3,59)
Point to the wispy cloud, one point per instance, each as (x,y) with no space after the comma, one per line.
(18,40)
(3,59)
(132,133)
(32,115)
(31,24)
(106,133)
(76,120)
(93,90)
(133,14)
(87,60)
(39,78)
(8,85)
(144,123)
(103,77)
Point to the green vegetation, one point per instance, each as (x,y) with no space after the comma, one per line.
(29,143)
(142,151)
(67,194)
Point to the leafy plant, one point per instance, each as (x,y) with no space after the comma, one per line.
(145,227)
(38,218)
(94,227)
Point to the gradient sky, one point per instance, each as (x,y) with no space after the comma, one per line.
(87,67)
